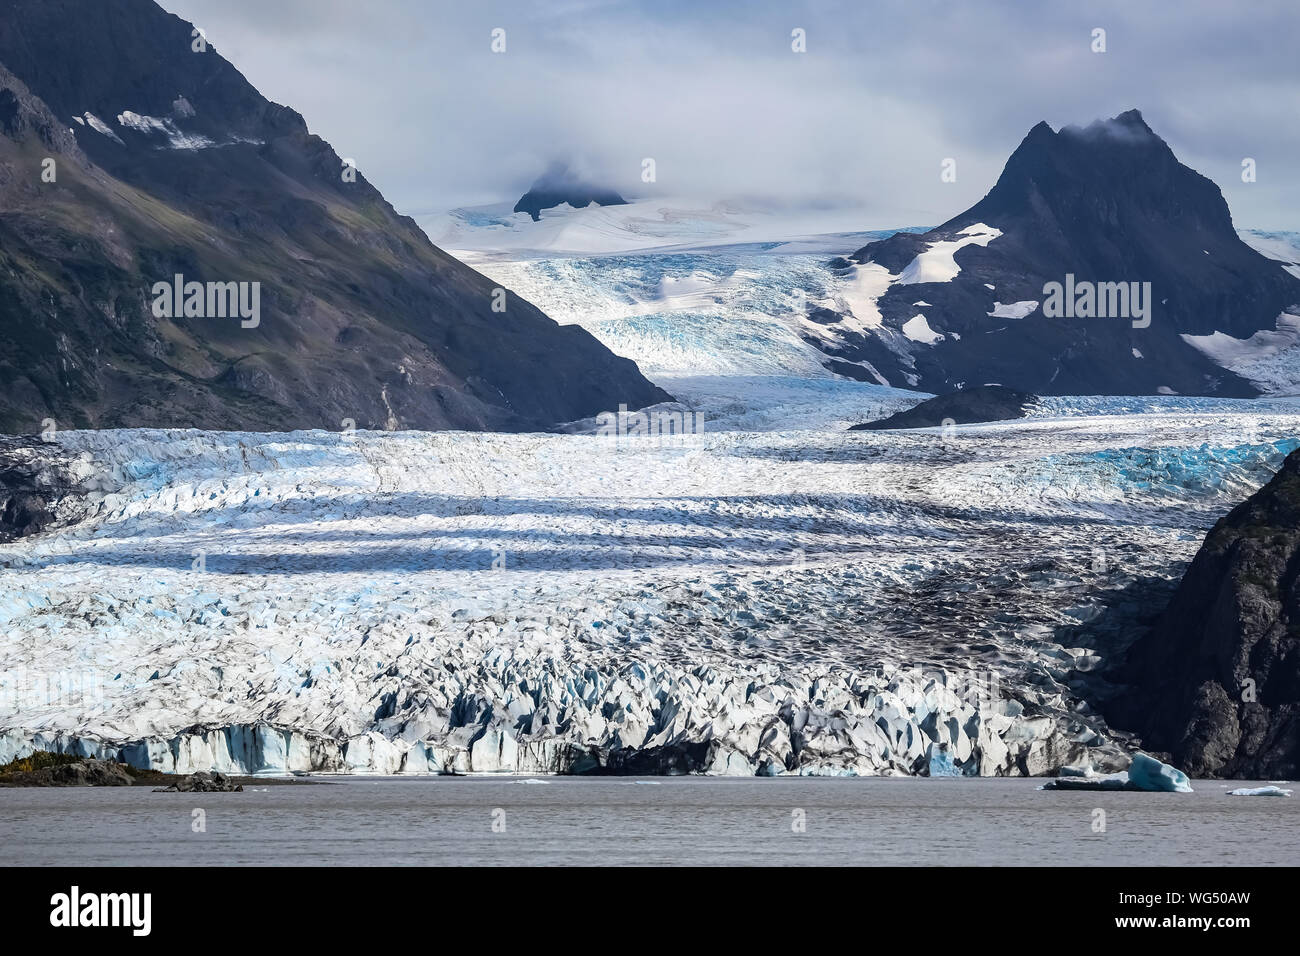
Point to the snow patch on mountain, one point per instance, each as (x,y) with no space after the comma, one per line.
(1013,310)
(867,283)
(99,126)
(918,330)
(938,263)
(149,125)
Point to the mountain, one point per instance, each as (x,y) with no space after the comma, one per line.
(968,301)
(1217,682)
(167,162)
(560,185)
(980,403)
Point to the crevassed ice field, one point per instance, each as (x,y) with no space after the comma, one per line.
(775,595)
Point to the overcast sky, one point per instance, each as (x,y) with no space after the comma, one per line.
(714,93)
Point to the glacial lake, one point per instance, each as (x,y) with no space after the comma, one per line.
(674,820)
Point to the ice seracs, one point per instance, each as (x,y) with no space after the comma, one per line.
(451,602)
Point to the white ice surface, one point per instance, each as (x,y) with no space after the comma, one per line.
(1269,359)
(722,311)
(403,600)
(645,225)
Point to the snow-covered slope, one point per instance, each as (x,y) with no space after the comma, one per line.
(739,602)
(697,290)
(688,288)
(722,312)
(1269,359)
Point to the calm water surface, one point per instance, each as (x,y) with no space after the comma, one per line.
(701,820)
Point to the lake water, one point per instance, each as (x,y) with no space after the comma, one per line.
(678,820)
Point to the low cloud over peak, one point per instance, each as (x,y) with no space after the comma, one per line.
(720,99)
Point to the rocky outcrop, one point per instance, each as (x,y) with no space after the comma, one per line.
(983,403)
(202,782)
(1217,682)
(81,773)
(40,484)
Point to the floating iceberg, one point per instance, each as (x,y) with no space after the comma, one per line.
(1145,773)
(1148,773)
(1260,792)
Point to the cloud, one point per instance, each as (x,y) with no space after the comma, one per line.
(885,92)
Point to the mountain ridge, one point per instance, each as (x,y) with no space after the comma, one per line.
(168,162)
(1106,203)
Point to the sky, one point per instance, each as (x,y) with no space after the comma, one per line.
(862,120)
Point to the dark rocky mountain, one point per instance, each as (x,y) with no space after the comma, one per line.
(981,403)
(1217,682)
(167,161)
(37,481)
(1109,203)
(559,185)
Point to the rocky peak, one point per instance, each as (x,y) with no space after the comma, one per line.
(1217,682)
(560,185)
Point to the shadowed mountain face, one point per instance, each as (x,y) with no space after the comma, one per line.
(981,403)
(128,156)
(1217,683)
(559,185)
(1108,203)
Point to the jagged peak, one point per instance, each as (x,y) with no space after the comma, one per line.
(1128,126)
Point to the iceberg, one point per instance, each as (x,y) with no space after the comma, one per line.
(1259,792)
(1145,773)
(1148,773)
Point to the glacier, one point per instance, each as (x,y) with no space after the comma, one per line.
(774,596)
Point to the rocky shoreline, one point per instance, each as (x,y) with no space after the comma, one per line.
(51,769)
